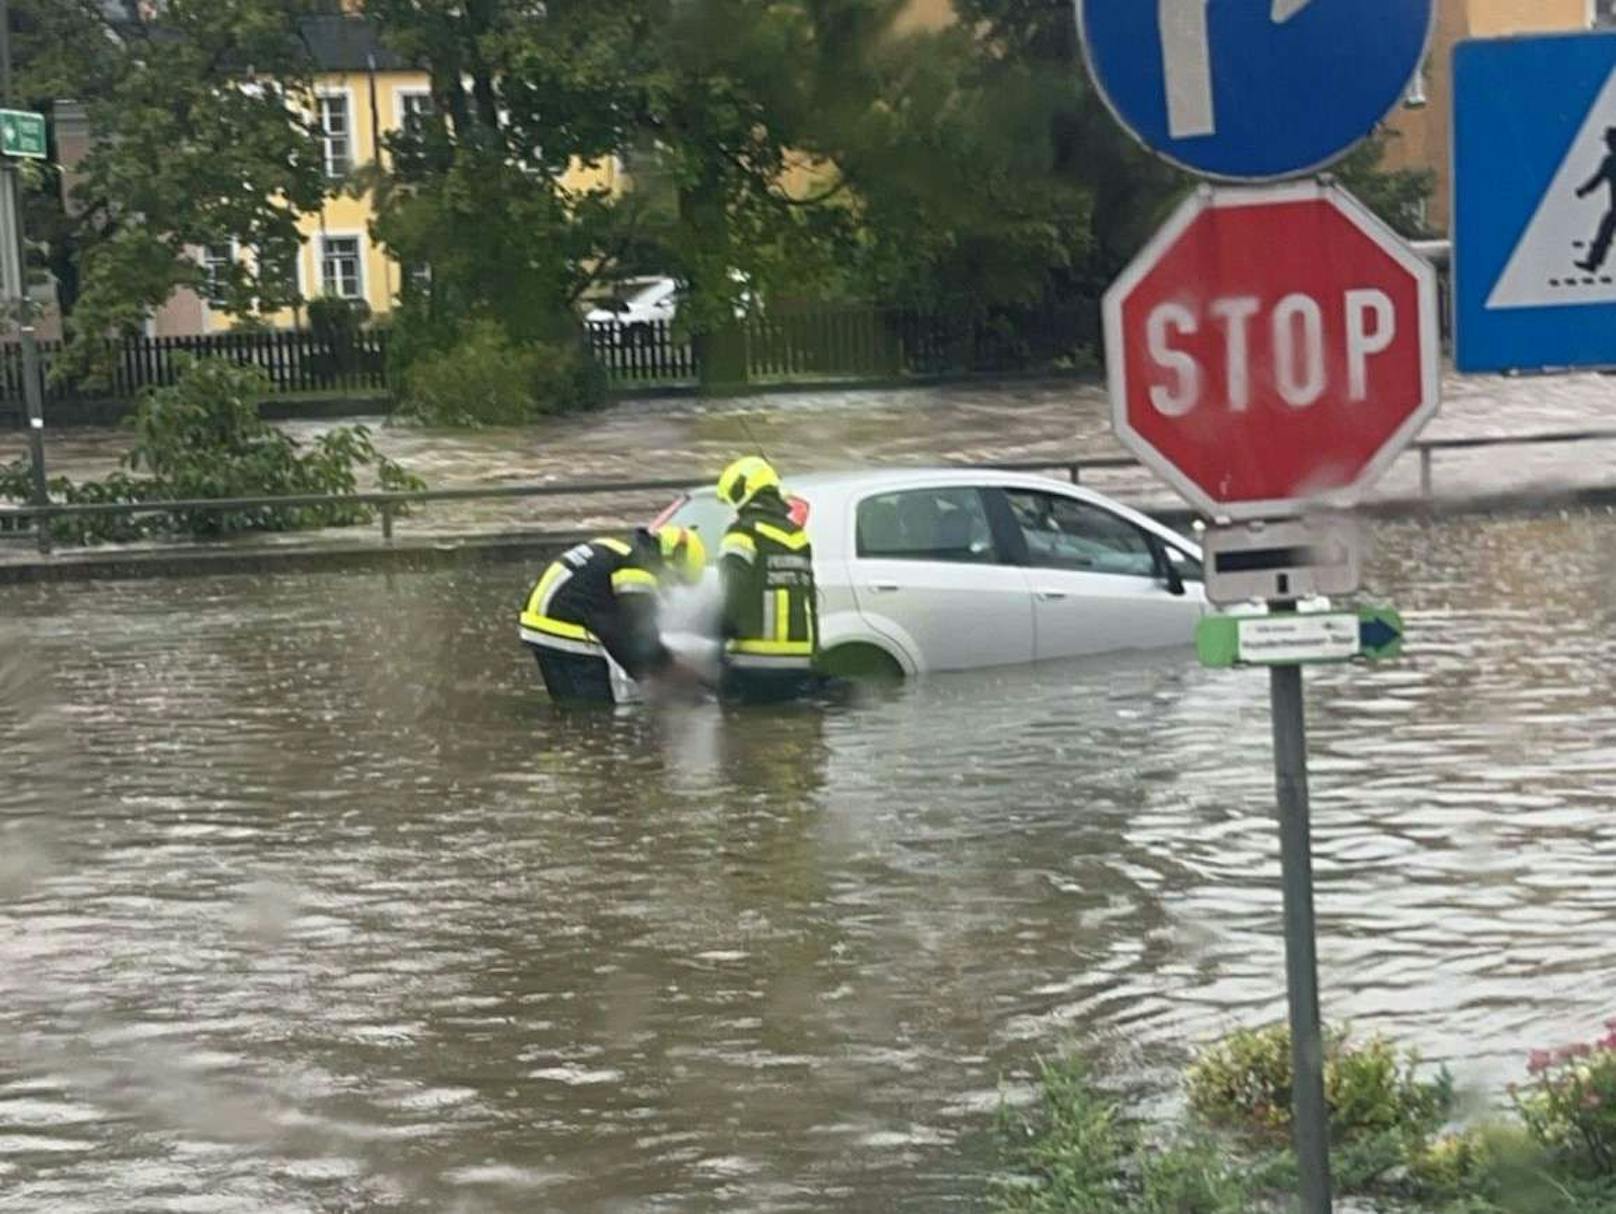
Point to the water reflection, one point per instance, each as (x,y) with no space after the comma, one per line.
(309,901)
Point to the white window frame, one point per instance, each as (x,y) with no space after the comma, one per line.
(401,93)
(359,263)
(208,262)
(349,136)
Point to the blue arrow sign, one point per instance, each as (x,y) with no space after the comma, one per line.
(1535,202)
(1378,632)
(1253,90)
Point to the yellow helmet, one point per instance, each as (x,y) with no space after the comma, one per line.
(682,552)
(745,479)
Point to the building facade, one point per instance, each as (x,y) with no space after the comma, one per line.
(1423,125)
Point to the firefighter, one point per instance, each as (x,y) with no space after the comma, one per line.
(595,608)
(771,608)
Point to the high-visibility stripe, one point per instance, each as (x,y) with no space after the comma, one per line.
(617,546)
(773,648)
(555,577)
(535,622)
(787,539)
(782,615)
(760,661)
(737,543)
(634,581)
(544,640)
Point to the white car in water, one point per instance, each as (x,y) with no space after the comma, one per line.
(926,569)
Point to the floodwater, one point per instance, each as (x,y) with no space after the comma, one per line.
(309,902)
(812,430)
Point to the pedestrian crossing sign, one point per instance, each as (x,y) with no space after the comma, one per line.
(1535,202)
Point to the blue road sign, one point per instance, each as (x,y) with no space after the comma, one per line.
(1534,193)
(1253,90)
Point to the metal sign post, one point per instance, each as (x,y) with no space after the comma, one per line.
(1310,1118)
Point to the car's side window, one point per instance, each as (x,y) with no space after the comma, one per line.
(1188,567)
(1065,533)
(949,524)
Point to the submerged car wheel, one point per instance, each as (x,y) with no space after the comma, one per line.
(864,663)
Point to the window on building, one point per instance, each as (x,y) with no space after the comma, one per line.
(413,109)
(336,135)
(217,262)
(1605,13)
(339,267)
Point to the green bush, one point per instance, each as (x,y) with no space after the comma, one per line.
(203,438)
(483,378)
(1243,1083)
(1075,1152)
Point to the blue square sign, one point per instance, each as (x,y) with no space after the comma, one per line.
(1534,186)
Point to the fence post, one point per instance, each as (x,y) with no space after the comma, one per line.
(1077,473)
(1425,472)
(387,522)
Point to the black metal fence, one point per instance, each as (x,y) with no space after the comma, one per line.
(780,345)
(805,343)
(293,361)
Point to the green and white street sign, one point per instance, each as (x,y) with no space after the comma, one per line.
(1292,639)
(22,133)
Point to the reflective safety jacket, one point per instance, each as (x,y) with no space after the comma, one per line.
(771,606)
(598,599)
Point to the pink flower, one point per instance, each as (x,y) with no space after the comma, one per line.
(1565,1053)
(1538,1062)
(1611,1024)
(1581,1050)
(1609,1043)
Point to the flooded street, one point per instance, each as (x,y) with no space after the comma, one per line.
(309,901)
(834,430)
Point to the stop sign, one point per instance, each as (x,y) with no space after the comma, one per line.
(1272,347)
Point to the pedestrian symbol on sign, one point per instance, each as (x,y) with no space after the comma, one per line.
(1563,257)
(1607,226)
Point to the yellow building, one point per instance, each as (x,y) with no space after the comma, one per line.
(1424,123)
(362,93)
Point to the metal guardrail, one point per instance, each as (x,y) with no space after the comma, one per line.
(389,504)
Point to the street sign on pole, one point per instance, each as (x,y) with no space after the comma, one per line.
(1272,350)
(1290,559)
(1535,202)
(1256,90)
(22,134)
(1374,634)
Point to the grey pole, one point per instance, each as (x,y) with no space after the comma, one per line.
(17,291)
(1309,1117)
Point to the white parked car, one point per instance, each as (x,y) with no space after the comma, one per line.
(638,305)
(929,569)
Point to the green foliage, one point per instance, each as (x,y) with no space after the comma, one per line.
(1243,1084)
(1569,1104)
(1076,1153)
(203,438)
(183,154)
(483,378)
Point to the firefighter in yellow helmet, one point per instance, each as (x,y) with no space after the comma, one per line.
(771,606)
(596,606)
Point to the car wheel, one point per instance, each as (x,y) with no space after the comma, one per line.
(865,663)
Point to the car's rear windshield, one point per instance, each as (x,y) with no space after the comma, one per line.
(703,514)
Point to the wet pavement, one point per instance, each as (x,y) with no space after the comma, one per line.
(815,431)
(308,901)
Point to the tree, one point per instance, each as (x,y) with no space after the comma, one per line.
(197,139)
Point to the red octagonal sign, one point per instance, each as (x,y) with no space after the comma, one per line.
(1272,348)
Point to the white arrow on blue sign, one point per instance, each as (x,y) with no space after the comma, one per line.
(1253,90)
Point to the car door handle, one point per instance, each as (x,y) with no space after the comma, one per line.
(1053,596)
(884,587)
